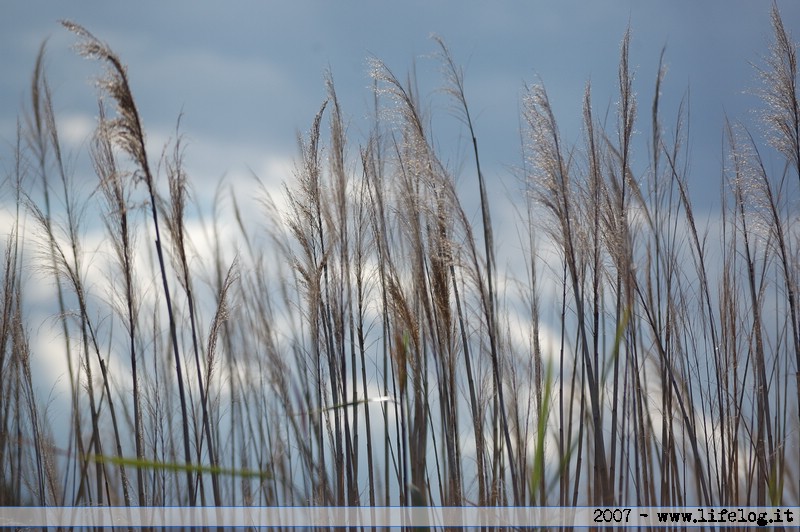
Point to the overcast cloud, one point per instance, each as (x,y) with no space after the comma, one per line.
(248,76)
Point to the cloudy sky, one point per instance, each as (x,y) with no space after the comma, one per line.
(248,76)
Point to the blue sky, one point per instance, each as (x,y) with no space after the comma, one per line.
(248,76)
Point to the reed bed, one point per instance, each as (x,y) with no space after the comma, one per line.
(360,345)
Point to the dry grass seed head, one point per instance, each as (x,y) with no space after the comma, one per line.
(126,129)
(779,92)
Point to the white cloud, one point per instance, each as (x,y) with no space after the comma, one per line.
(74,129)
